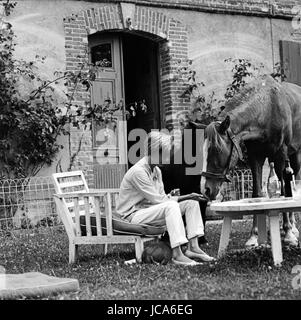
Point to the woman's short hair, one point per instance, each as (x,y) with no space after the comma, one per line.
(157,141)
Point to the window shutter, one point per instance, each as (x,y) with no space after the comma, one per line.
(290,55)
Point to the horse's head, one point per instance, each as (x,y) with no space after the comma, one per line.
(218,156)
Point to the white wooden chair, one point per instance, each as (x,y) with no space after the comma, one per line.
(88,216)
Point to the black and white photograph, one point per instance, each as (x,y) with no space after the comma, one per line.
(150,153)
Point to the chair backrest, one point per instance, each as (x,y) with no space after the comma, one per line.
(77,211)
(73,181)
(69,182)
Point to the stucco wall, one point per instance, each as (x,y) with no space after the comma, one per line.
(212,38)
(215,37)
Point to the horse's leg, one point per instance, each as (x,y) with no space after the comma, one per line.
(295,164)
(292,219)
(289,237)
(256,161)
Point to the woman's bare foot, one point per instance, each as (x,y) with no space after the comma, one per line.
(195,252)
(201,255)
(178,255)
(182,258)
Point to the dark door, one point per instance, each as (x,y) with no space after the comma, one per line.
(140,64)
(290,55)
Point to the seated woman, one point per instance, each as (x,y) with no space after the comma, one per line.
(142,199)
(187,183)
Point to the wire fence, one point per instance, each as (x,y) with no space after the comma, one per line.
(240,187)
(27,204)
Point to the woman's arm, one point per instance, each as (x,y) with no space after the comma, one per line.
(192,196)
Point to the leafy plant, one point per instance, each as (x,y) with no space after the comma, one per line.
(30,123)
(242,71)
(278,72)
(206,104)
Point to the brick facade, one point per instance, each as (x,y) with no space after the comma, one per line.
(149,21)
(268,8)
(173,49)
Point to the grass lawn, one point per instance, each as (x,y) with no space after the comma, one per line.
(239,275)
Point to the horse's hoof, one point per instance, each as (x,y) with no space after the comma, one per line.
(295,231)
(290,239)
(252,242)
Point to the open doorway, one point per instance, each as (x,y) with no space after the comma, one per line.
(141,80)
(130,74)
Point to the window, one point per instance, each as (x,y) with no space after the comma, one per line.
(101,55)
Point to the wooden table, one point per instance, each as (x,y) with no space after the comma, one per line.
(262,207)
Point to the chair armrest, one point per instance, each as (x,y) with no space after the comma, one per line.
(91,193)
(79,194)
(108,190)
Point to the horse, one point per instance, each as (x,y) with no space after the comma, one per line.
(266,116)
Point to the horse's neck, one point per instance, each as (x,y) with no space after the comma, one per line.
(238,123)
(242,124)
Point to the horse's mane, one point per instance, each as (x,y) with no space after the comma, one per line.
(213,136)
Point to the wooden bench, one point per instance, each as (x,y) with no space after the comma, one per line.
(88,216)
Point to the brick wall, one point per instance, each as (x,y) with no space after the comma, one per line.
(274,8)
(173,49)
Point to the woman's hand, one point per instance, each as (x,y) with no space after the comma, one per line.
(193,196)
(197,197)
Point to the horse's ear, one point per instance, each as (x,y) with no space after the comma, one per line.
(197,125)
(224,125)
